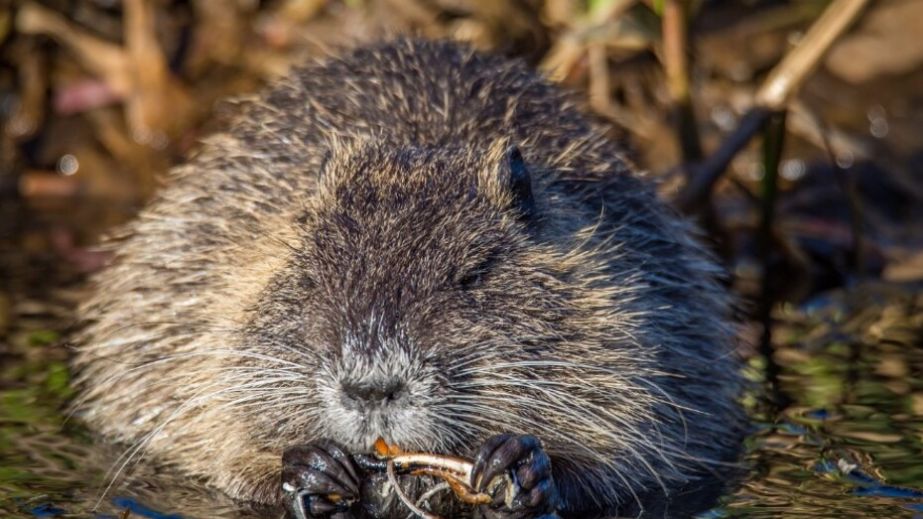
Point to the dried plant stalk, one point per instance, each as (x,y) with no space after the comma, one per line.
(455,471)
(459,467)
(392,478)
(782,84)
(787,77)
(462,490)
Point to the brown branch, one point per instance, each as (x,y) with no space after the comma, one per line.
(675,28)
(453,470)
(786,78)
(703,176)
(774,94)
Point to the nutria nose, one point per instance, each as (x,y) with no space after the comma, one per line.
(373,392)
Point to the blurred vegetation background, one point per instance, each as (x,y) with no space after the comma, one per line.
(811,197)
(98,98)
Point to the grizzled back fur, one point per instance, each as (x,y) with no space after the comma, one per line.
(356,225)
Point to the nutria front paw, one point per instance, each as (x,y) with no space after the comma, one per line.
(516,472)
(319,480)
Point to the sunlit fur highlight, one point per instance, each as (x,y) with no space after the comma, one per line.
(320,240)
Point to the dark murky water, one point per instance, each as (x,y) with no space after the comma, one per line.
(848,445)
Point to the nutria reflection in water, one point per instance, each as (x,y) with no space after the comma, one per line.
(420,243)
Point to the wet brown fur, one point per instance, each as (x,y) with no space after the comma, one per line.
(355,222)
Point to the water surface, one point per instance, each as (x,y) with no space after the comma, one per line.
(848,444)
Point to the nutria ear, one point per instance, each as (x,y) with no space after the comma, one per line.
(323,169)
(519,181)
(506,180)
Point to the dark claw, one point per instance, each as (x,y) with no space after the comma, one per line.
(526,467)
(318,480)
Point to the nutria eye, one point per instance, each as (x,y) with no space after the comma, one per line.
(470,280)
(475,277)
(306,282)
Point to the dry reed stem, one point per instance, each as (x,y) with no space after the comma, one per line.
(453,470)
(782,84)
(786,78)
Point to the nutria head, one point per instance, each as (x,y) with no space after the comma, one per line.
(428,297)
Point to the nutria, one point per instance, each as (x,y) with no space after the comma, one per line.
(419,242)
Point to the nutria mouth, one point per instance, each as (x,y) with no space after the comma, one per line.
(429,244)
